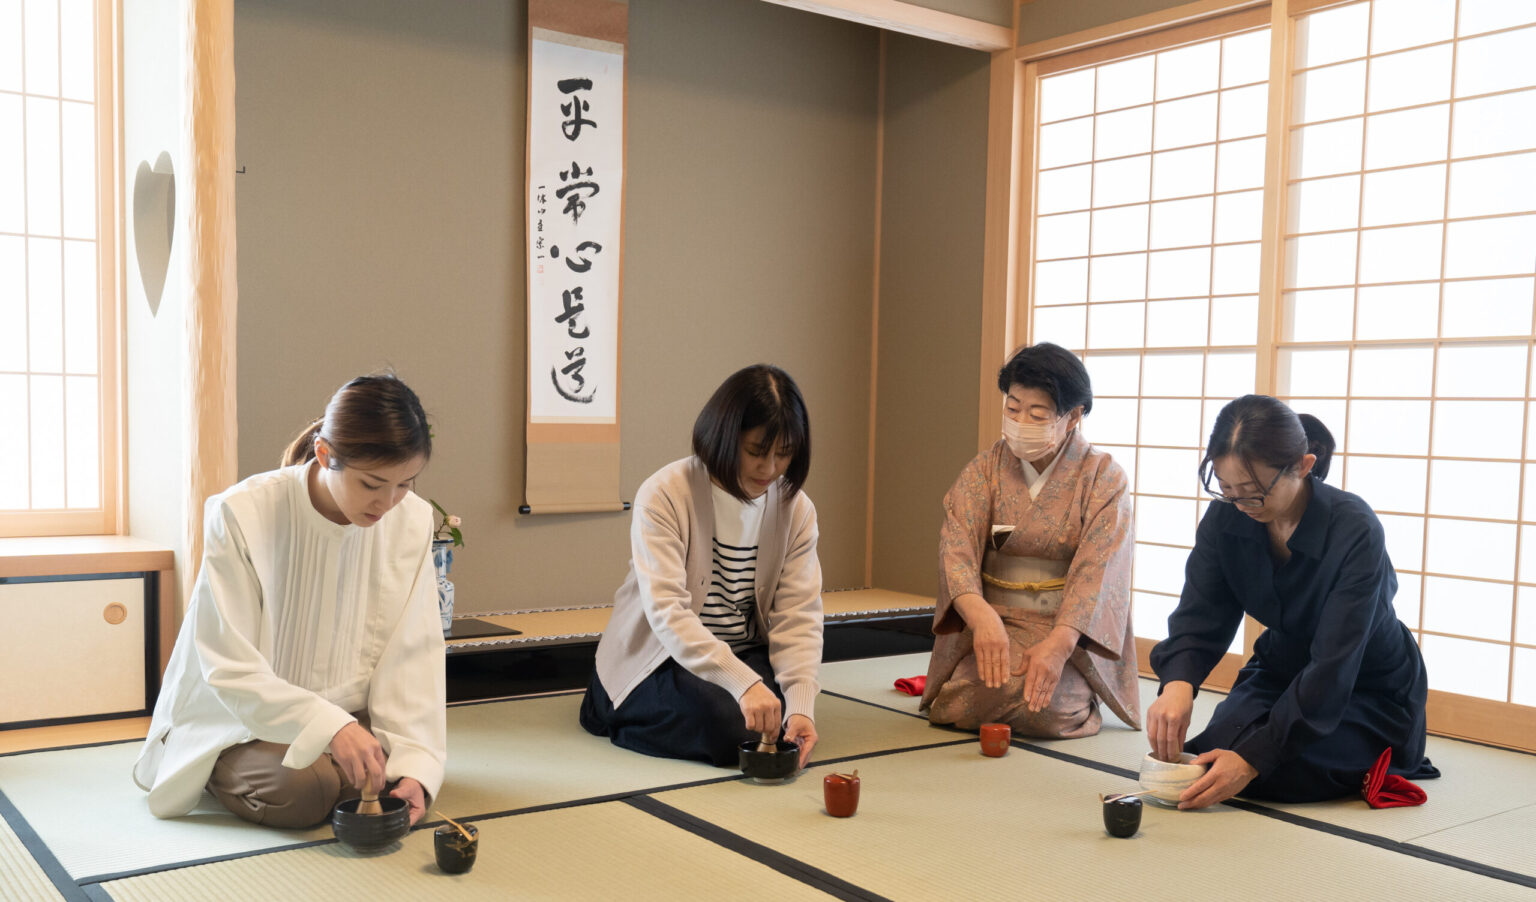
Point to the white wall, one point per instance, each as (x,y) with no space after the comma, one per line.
(156,346)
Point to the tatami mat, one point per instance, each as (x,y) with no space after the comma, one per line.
(503,756)
(871,679)
(852,602)
(1028,826)
(977,826)
(60,792)
(21,878)
(1117,745)
(1505,840)
(598,852)
(30,739)
(540,627)
(513,755)
(1478,782)
(558,624)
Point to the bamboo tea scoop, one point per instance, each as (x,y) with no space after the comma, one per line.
(767,745)
(458,826)
(1117,796)
(369,804)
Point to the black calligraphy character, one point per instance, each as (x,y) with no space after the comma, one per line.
(574,109)
(585,264)
(575,205)
(573,369)
(571,301)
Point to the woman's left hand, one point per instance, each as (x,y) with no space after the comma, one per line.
(1228,774)
(1042,664)
(800,729)
(414,795)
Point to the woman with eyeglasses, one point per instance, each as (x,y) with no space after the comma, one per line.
(1033,621)
(1335,678)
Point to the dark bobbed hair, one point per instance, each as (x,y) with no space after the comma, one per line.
(1052,369)
(371,421)
(1261,429)
(759,395)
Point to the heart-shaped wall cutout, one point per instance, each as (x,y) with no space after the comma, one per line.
(154,224)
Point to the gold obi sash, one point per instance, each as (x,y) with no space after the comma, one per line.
(1029,583)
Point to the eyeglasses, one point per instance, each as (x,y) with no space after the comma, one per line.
(1208,473)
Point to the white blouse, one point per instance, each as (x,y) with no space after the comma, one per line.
(294,622)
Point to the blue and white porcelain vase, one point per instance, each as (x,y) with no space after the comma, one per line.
(442,559)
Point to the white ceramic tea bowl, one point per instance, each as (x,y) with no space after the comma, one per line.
(1166,780)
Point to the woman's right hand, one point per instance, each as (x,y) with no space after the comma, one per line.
(360,756)
(989,639)
(1168,720)
(761,710)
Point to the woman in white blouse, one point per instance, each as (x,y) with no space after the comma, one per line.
(310,662)
(716,633)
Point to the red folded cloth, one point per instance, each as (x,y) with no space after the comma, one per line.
(912,685)
(1384,790)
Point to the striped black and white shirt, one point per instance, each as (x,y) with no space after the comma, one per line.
(730,610)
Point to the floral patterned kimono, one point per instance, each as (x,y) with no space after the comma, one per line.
(1066,561)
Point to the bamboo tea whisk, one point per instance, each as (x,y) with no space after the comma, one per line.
(766,744)
(370,800)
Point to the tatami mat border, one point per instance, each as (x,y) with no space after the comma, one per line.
(94,879)
(88,888)
(40,852)
(790,867)
(592,607)
(628,795)
(65,748)
(515,698)
(625,796)
(463,704)
(1289,817)
(1382,842)
(510,642)
(574,607)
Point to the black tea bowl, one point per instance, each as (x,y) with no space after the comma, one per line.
(1122,816)
(769,767)
(455,854)
(371,832)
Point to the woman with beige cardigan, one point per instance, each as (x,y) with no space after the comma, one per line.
(716,632)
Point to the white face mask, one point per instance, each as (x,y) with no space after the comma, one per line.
(1030,441)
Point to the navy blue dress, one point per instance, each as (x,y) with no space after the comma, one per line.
(1334,679)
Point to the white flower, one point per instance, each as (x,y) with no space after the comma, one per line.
(455,521)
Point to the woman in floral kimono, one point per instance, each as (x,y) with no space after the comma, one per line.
(1034,605)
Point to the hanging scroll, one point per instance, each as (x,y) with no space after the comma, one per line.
(575,220)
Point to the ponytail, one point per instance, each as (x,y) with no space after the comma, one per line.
(1258,428)
(302,448)
(369,421)
(1319,443)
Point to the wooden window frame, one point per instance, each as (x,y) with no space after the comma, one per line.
(109,517)
(1499,723)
